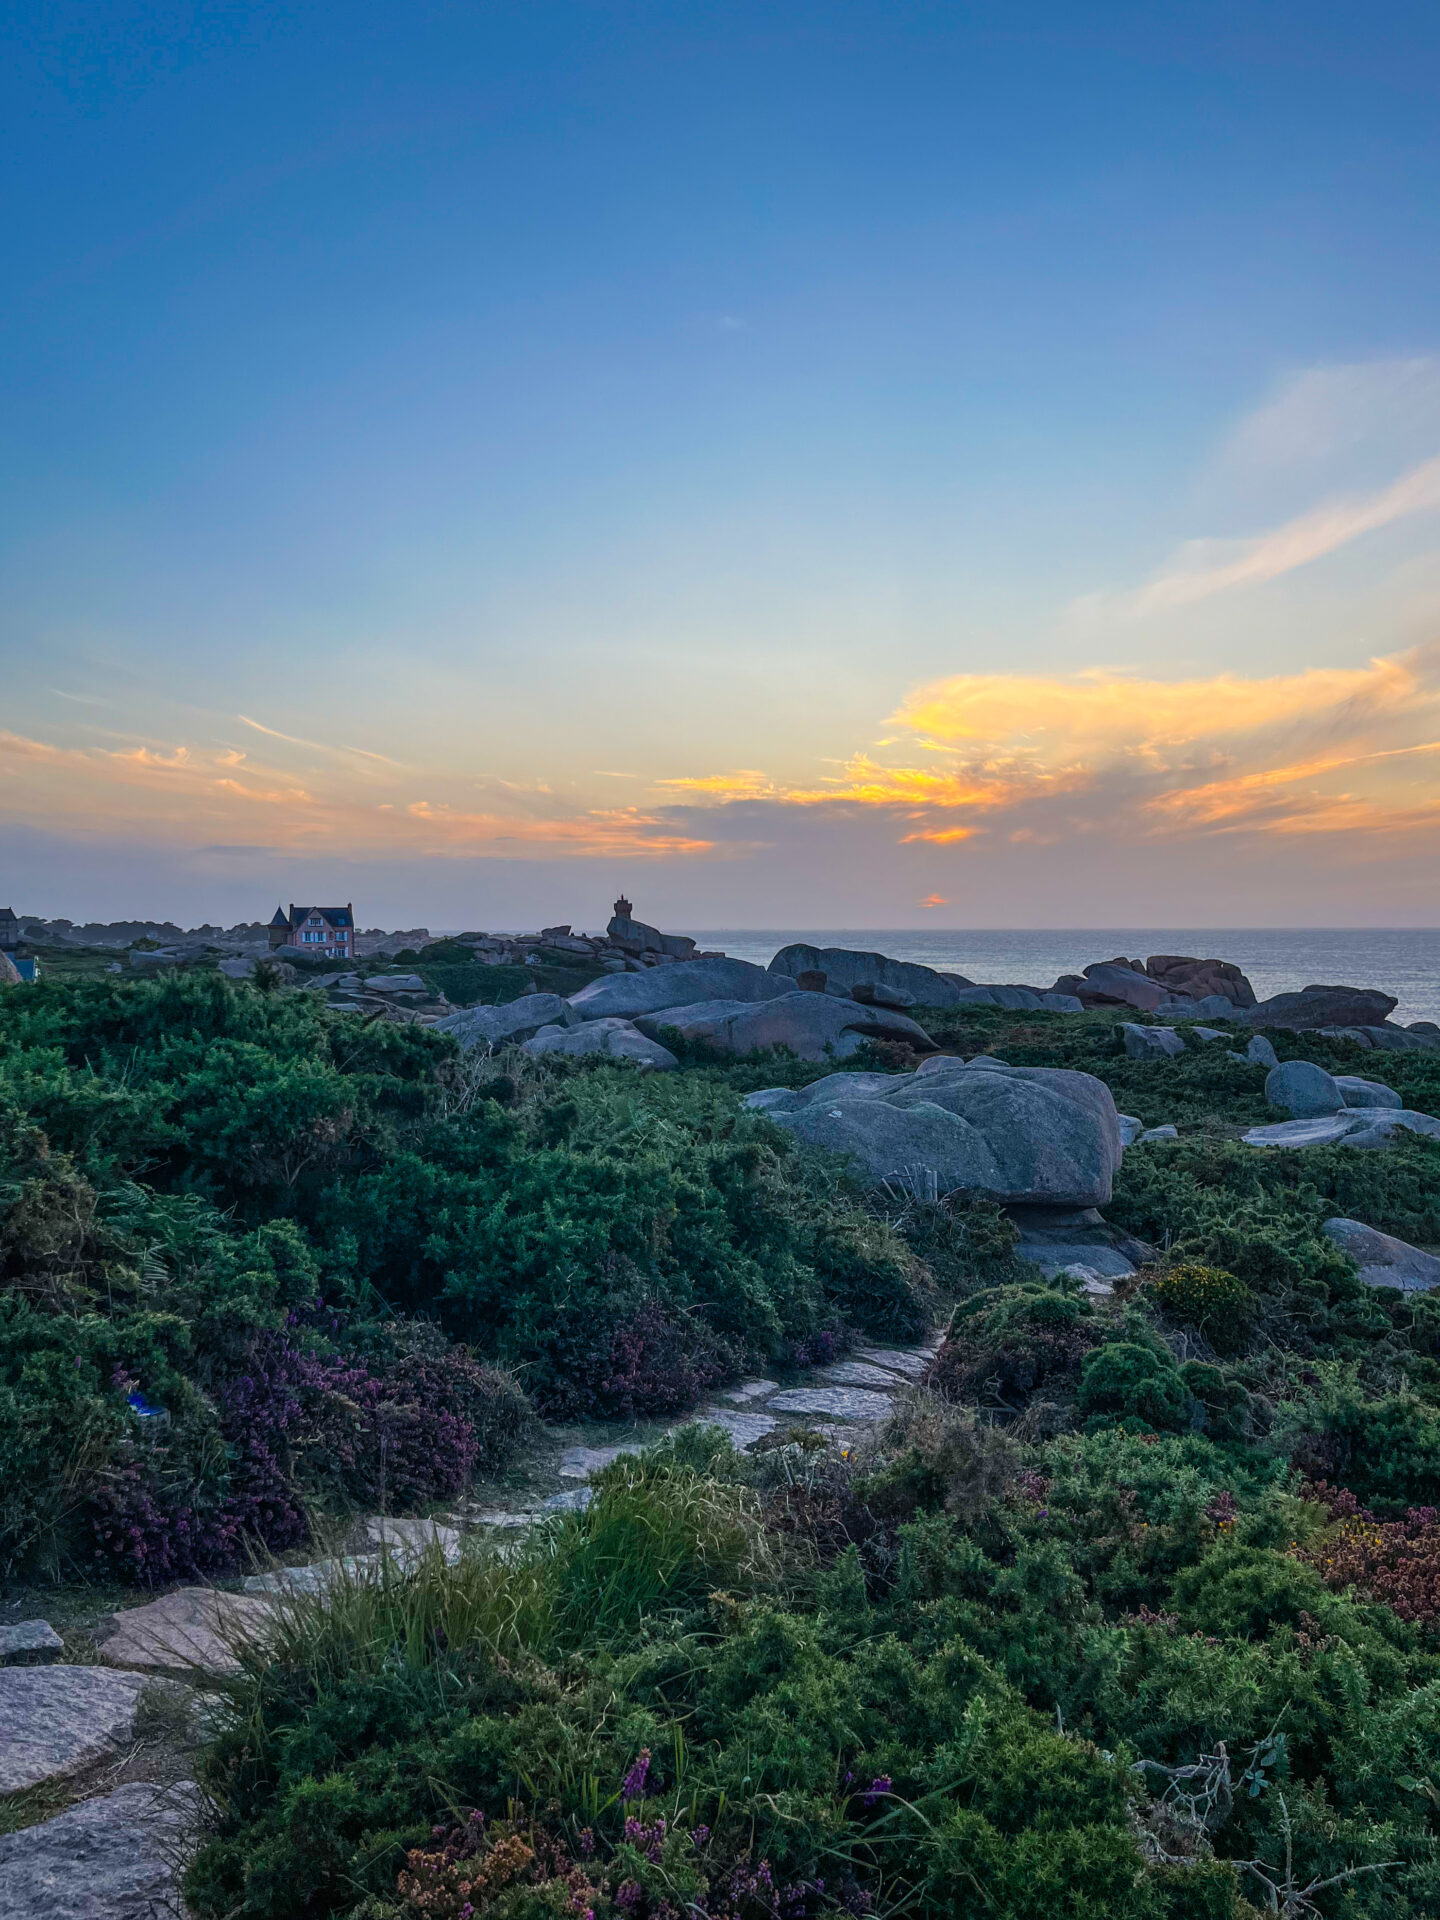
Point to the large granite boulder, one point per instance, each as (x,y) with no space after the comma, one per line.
(683,984)
(1324,1007)
(1190,979)
(1384,1261)
(117,1857)
(1013,999)
(504,1026)
(1113,983)
(9,972)
(812,1025)
(1356,1092)
(1304,1090)
(1041,1135)
(846,968)
(616,1039)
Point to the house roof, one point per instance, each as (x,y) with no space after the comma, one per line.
(279,920)
(332,916)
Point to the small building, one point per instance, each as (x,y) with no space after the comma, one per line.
(326,932)
(11,932)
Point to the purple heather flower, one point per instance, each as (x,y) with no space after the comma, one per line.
(699,1835)
(633,1785)
(877,1789)
(587,1842)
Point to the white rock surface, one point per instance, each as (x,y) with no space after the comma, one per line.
(910,1362)
(858,1373)
(832,1403)
(113,1858)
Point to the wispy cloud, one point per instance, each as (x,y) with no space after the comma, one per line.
(315,746)
(1203,568)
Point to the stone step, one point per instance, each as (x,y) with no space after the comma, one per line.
(117,1857)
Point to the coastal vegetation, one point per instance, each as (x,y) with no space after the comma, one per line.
(1131,1611)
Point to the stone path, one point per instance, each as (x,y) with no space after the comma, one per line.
(116,1856)
(60,1720)
(111,1858)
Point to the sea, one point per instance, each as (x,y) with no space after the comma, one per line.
(1402,961)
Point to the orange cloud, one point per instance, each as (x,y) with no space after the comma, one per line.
(1342,750)
(169,794)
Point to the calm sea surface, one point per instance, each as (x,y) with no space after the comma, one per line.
(1404,962)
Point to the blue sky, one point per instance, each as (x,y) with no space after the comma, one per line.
(466,458)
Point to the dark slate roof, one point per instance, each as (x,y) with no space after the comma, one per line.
(280,919)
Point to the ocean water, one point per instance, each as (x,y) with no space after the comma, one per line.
(1402,961)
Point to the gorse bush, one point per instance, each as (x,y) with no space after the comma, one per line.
(661,1705)
(1217,1302)
(225,1202)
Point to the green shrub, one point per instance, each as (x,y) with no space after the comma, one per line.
(1133,1382)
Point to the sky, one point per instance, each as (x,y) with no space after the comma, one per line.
(803,465)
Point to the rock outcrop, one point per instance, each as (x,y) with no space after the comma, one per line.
(1017,1134)
(503,1026)
(1356,1092)
(1324,1007)
(615,1038)
(683,984)
(812,1025)
(846,968)
(1190,979)
(634,937)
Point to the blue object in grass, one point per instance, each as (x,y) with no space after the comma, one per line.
(142,1408)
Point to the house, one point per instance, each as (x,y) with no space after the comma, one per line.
(326,932)
(27,966)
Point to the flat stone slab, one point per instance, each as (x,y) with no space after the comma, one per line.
(194,1627)
(744,1429)
(578,1463)
(1355,1126)
(834,1403)
(29,1636)
(114,1858)
(749,1390)
(58,1720)
(912,1362)
(859,1373)
(318,1577)
(408,1539)
(573,1500)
